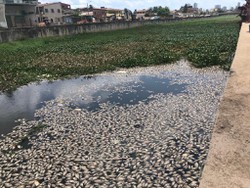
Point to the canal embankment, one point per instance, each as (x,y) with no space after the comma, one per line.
(14,34)
(228,163)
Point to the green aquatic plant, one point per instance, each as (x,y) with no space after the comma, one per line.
(204,42)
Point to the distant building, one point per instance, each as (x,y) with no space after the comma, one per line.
(224,8)
(140,14)
(92,14)
(195,5)
(188,10)
(114,14)
(217,7)
(17,13)
(101,14)
(54,13)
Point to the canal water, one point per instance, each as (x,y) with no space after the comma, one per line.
(87,92)
(157,120)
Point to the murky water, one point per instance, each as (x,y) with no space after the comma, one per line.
(157,120)
(140,92)
(23,102)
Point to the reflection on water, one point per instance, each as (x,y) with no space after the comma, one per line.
(138,92)
(23,102)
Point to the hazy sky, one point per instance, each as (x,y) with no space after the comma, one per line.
(141,4)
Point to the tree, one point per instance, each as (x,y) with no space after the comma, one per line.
(91,7)
(163,12)
(159,11)
(185,9)
(149,12)
(126,13)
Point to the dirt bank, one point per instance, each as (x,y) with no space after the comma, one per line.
(228,163)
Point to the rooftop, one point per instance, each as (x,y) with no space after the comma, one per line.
(19,2)
(45,4)
(102,8)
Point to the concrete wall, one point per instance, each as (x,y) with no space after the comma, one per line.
(14,34)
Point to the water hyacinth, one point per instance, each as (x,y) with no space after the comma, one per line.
(203,42)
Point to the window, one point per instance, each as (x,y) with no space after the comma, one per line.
(52,10)
(58,11)
(46,10)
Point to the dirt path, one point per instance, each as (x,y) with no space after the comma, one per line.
(228,163)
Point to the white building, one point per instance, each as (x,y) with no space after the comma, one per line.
(217,7)
(54,13)
(195,5)
(140,14)
(224,8)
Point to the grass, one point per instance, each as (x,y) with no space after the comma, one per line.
(204,42)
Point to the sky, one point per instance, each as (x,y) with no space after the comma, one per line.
(145,4)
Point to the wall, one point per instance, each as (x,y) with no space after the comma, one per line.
(14,34)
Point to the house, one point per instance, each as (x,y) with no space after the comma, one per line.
(54,13)
(101,14)
(17,13)
(90,14)
(114,14)
(140,14)
(187,11)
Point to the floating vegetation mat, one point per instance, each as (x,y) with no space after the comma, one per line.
(204,42)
